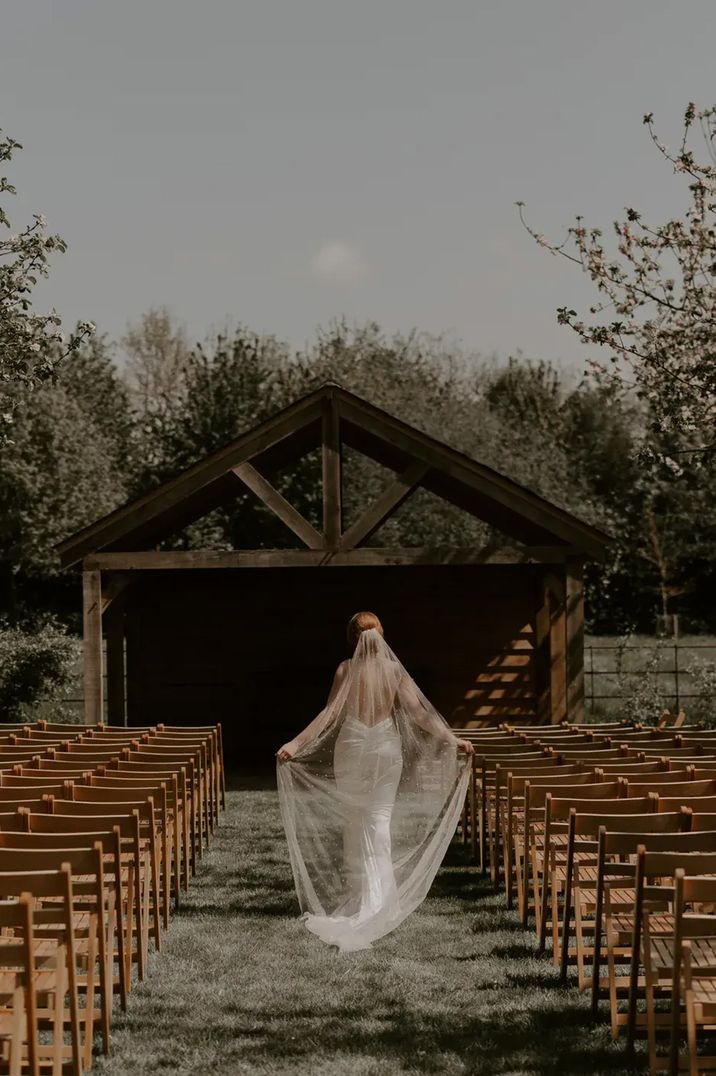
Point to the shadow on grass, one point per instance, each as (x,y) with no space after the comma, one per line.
(467,997)
(555,1039)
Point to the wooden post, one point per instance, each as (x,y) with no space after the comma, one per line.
(543,682)
(557,647)
(114,630)
(574,642)
(331,449)
(92,628)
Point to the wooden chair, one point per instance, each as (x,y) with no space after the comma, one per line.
(706,765)
(93,921)
(571,740)
(534,795)
(543,842)
(93,813)
(21,745)
(691,732)
(51,985)
(700,821)
(19,1031)
(696,804)
(672,789)
(37,779)
(47,767)
(482,778)
(614,888)
(112,918)
(617,926)
(88,753)
(25,795)
(43,736)
(649,737)
(165,790)
(628,768)
(102,797)
(135,871)
(671,720)
(205,761)
(594,757)
(70,727)
(216,734)
(202,801)
(494,789)
(579,872)
(608,728)
(514,839)
(692,750)
(700,1003)
(654,894)
(661,955)
(555,894)
(20,752)
(185,784)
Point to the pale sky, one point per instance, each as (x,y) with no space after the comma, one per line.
(285,162)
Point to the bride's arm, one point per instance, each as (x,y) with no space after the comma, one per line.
(293,746)
(437,728)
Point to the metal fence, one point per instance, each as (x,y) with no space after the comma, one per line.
(612,671)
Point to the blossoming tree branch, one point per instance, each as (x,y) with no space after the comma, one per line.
(656,311)
(31,344)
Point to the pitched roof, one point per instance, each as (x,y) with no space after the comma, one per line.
(295,430)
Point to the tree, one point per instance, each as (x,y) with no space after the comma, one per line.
(31,345)
(656,312)
(58,474)
(156,353)
(67,464)
(231,383)
(91,378)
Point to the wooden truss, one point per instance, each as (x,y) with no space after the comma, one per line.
(120,545)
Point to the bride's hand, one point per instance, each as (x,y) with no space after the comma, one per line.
(286,753)
(465,747)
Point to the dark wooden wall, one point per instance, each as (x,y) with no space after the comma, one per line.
(256,648)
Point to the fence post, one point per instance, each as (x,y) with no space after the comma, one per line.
(676,677)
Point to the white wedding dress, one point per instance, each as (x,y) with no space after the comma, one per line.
(371,801)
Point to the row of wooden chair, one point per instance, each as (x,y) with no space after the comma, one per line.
(607,849)
(524,747)
(100,829)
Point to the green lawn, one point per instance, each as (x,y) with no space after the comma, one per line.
(241,987)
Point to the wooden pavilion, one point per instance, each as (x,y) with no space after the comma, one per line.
(250,637)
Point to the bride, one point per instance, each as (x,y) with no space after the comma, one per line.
(370,793)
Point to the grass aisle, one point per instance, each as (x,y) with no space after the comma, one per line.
(241,987)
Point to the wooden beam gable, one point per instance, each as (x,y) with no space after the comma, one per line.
(331,417)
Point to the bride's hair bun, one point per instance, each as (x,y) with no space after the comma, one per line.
(361,622)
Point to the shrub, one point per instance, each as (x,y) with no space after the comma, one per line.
(703,680)
(36,667)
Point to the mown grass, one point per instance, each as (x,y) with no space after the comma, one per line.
(241,987)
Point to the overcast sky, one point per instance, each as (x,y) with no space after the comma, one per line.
(284,162)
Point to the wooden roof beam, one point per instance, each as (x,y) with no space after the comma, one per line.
(509,495)
(384,506)
(278,504)
(152,505)
(367,556)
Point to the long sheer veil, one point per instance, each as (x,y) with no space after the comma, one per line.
(370,801)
